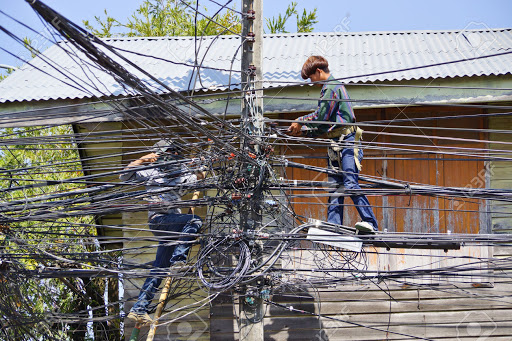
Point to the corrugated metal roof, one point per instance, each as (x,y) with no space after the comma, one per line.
(355,55)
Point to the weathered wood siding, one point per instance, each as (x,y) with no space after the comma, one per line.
(450,309)
(442,313)
(100,153)
(501,174)
(407,213)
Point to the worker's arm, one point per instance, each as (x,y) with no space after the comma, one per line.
(195,196)
(146,159)
(322,113)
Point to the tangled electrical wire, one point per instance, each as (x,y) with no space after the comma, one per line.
(56,216)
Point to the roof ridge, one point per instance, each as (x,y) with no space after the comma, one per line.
(270,35)
(389,32)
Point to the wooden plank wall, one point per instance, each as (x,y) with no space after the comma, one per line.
(431,313)
(450,309)
(97,154)
(378,260)
(407,213)
(501,175)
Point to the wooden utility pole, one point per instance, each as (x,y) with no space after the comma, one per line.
(251,303)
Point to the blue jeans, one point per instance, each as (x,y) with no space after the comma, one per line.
(349,179)
(163,225)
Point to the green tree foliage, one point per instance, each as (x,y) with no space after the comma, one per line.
(8,72)
(33,163)
(159,18)
(32,308)
(305,22)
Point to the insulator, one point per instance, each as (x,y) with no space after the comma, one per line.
(251,14)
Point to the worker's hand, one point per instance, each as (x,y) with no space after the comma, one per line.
(200,175)
(295,129)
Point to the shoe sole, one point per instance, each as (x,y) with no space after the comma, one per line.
(364,229)
(140,321)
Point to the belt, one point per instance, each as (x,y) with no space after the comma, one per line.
(341,133)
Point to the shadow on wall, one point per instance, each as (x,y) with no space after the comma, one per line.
(283,324)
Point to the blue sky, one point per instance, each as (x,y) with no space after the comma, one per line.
(334,15)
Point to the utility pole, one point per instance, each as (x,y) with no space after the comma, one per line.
(251,302)
(252,60)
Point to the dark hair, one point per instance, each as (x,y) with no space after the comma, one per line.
(313,63)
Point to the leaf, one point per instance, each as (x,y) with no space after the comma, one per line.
(159,18)
(306,22)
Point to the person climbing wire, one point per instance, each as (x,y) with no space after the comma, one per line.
(162,184)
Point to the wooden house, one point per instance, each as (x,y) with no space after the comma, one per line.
(426,101)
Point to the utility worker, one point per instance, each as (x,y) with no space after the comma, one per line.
(163,183)
(344,153)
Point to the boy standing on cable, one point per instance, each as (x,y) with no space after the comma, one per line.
(344,153)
